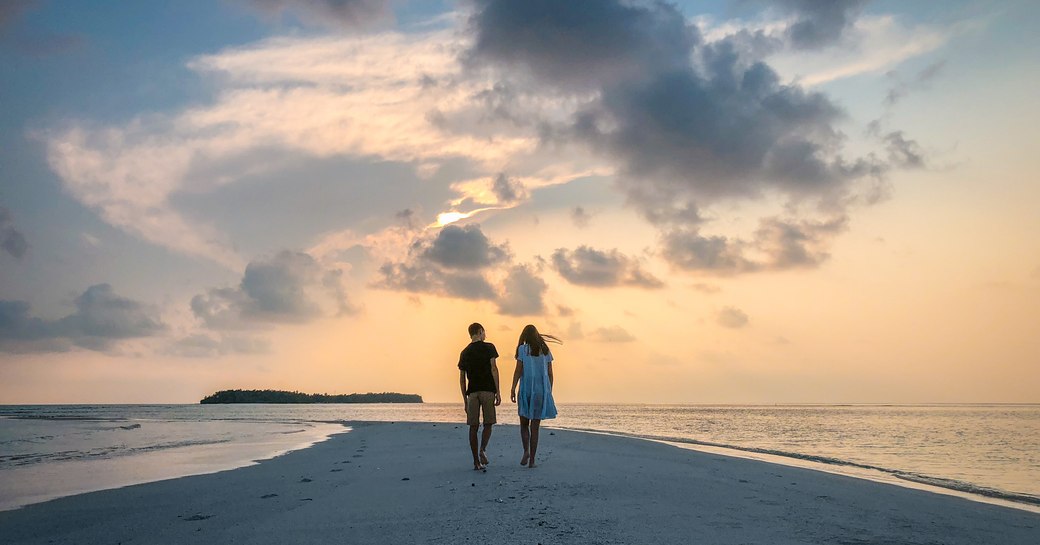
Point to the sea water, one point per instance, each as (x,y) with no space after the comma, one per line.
(980,451)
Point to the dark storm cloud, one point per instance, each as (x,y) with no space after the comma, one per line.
(344,13)
(289,287)
(601,268)
(732,317)
(522,293)
(462,248)
(100,319)
(11,240)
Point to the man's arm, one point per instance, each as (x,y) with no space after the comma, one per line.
(550,375)
(462,384)
(494,373)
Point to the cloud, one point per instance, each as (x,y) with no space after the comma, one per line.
(450,263)
(732,317)
(580,217)
(101,318)
(289,287)
(612,334)
(692,122)
(463,248)
(11,240)
(587,266)
(201,345)
(577,45)
(461,262)
(819,22)
(706,288)
(523,293)
(339,13)
(920,80)
(506,190)
(902,151)
(279,101)
(777,245)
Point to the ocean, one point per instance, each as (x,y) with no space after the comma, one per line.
(982,452)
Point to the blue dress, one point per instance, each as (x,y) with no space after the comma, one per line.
(534,400)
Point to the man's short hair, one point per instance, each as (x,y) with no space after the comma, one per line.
(475,329)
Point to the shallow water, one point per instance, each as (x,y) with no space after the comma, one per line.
(990,450)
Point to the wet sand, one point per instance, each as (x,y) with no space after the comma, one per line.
(413,483)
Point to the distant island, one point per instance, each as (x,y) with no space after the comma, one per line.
(280,396)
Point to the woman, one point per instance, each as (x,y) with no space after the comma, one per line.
(535,375)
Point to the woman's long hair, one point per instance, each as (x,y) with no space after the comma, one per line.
(535,340)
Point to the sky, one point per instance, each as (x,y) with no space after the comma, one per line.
(733,201)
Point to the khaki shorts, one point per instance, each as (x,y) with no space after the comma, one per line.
(478,402)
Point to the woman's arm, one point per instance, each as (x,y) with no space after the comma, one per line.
(516,378)
(550,375)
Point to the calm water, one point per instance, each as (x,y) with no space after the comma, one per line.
(989,450)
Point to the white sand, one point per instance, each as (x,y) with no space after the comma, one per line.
(588,488)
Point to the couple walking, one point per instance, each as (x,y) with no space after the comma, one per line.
(478,378)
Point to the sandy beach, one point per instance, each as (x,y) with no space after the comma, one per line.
(412,483)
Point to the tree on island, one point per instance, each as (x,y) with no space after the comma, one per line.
(281,396)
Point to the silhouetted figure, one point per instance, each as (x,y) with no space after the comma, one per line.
(535,374)
(477,364)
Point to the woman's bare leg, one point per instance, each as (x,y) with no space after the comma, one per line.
(525,438)
(534,441)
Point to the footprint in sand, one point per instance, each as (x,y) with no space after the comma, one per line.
(198,516)
(266,496)
(335,470)
(306,480)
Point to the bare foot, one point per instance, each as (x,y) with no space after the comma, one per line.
(477,466)
(523,461)
(531,465)
(483,458)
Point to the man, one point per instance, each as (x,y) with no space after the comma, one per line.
(481,395)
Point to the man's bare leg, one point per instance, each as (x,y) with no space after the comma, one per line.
(525,438)
(534,441)
(484,438)
(473,447)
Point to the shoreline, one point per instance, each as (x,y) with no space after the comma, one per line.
(41,482)
(843,467)
(788,459)
(402,481)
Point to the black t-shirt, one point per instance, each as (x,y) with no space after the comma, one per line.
(475,360)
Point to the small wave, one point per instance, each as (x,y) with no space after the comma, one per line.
(940,482)
(98,453)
